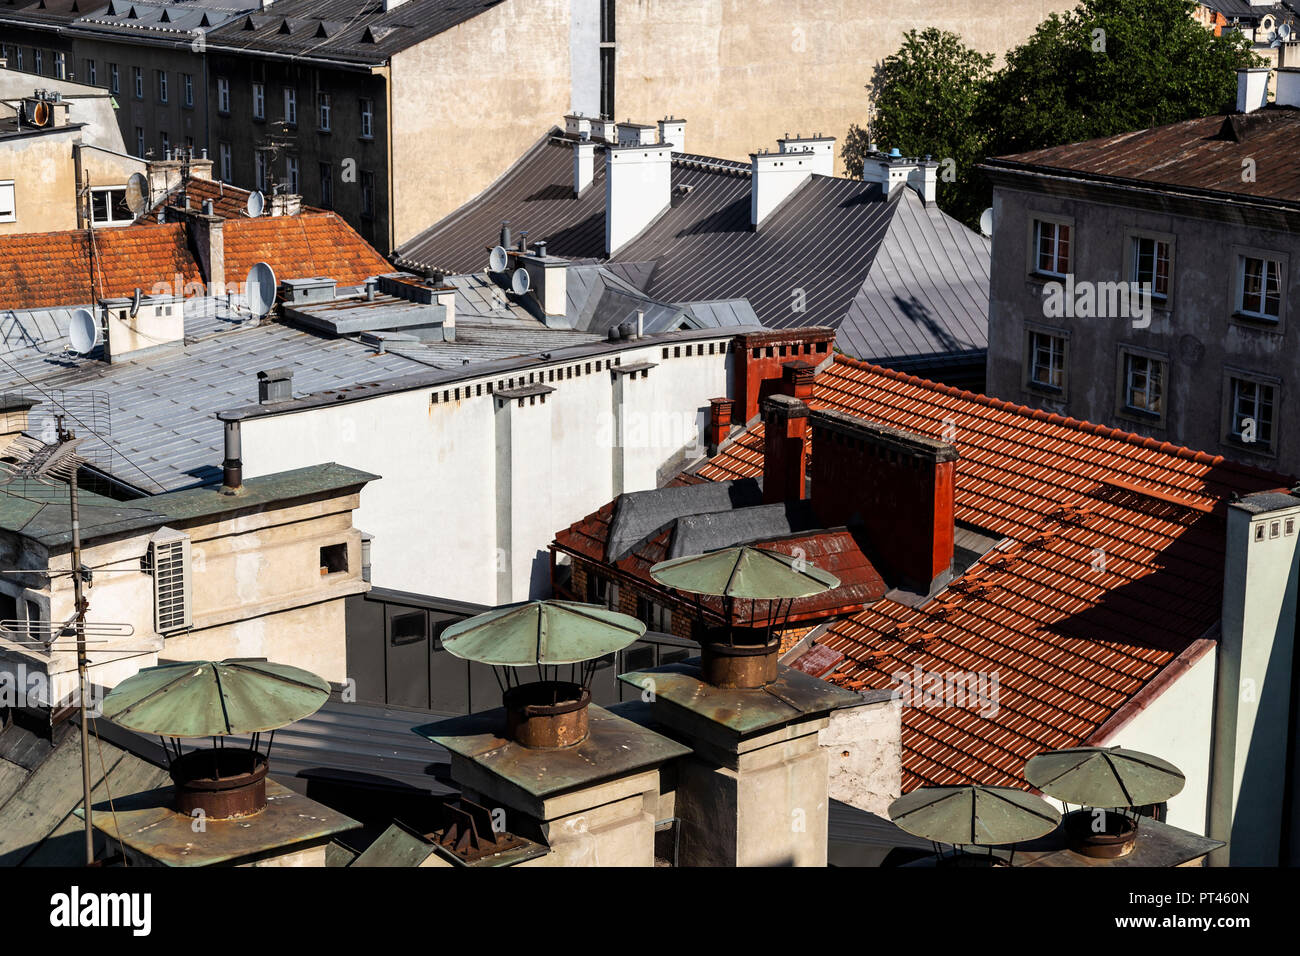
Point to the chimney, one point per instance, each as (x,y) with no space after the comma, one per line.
(1252,88)
(584,165)
(719,424)
(275,385)
(604,130)
(158,321)
(672,132)
(897,484)
(797,379)
(207,238)
(548,279)
(638,188)
(893,171)
(785,458)
(760,359)
(577,126)
(232,469)
(1287,92)
(777,175)
(635,134)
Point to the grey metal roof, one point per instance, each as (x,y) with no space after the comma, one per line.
(639,514)
(700,533)
(813,262)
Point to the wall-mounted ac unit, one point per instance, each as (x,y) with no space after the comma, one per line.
(169,558)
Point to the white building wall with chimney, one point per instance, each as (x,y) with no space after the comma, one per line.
(434,512)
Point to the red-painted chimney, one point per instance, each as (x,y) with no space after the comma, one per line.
(719,423)
(785,459)
(760,361)
(797,379)
(899,485)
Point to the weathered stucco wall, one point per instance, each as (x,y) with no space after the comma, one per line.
(864,746)
(744,72)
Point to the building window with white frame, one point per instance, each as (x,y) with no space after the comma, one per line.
(114,80)
(367,118)
(1251,413)
(18,53)
(223,95)
(1046,360)
(323,112)
(259,170)
(108,207)
(291,175)
(8,201)
(1144,384)
(1051,248)
(92,75)
(291,106)
(187,80)
(61,65)
(1259,287)
(1151,265)
(137,74)
(38,60)
(259,101)
(223,154)
(162,86)
(139,141)
(367,193)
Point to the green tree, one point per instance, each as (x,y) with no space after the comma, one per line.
(1106,67)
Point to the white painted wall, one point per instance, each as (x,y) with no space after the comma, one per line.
(445,504)
(1178,726)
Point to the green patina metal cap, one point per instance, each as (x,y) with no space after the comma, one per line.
(974,816)
(744,572)
(1104,777)
(541,632)
(215,699)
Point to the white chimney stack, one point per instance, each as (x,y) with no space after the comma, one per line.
(672,132)
(1287,92)
(894,171)
(577,125)
(777,175)
(604,130)
(635,134)
(1252,88)
(584,165)
(820,148)
(638,188)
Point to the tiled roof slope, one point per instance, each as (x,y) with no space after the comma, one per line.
(896,278)
(228,202)
(1113,568)
(49,269)
(301,247)
(1198,154)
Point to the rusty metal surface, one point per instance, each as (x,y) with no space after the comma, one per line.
(792,696)
(146,823)
(614,746)
(546,726)
(541,632)
(741,667)
(222,783)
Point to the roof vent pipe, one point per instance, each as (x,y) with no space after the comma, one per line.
(370,288)
(505,234)
(640,323)
(232,469)
(540,247)
(207,207)
(523,240)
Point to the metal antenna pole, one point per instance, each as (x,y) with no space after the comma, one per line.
(79,602)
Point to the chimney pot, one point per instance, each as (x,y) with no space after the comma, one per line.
(232,469)
(275,385)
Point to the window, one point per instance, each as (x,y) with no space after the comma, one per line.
(1151,265)
(259,170)
(138,76)
(600,590)
(323,111)
(291,106)
(259,101)
(169,553)
(162,86)
(653,616)
(291,174)
(1251,406)
(187,80)
(367,193)
(139,141)
(165,140)
(1051,248)
(334,559)
(19,51)
(606,21)
(406,628)
(114,81)
(8,203)
(367,118)
(92,76)
(223,95)
(61,65)
(1046,360)
(1143,384)
(38,58)
(108,207)
(326,185)
(8,607)
(607,49)
(1259,284)
(227,173)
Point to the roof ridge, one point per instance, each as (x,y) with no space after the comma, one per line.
(1102,431)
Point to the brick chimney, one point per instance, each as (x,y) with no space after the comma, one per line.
(760,364)
(785,458)
(719,424)
(797,379)
(897,484)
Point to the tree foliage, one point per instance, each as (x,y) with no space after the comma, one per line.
(1106,67)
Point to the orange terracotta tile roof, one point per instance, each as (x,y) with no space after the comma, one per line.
(298,247)
(1114,567)
(42,270)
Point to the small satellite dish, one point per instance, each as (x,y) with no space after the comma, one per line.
(83,332)
(137,193)
(497,260)
(259,289)
(519,282)
(256,203)
(135,302)
(1284,31)
(986,221)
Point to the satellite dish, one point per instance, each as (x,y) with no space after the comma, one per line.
(519,282)
(986,221)
(256,203)
(259,288)
(1284,31)
(41,115)
(497,260)
(83,332)
(137,193)
(135,303)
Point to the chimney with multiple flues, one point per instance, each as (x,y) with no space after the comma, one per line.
(775,176)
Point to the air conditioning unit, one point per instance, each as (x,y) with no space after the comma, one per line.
(169,561)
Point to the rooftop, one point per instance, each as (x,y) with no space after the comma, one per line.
(897,278)
(1202,156)
(1074,645)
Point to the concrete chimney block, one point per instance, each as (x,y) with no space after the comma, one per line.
(672,132)
(1287,92)
(584,165)
(638,188)
(1252,88)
